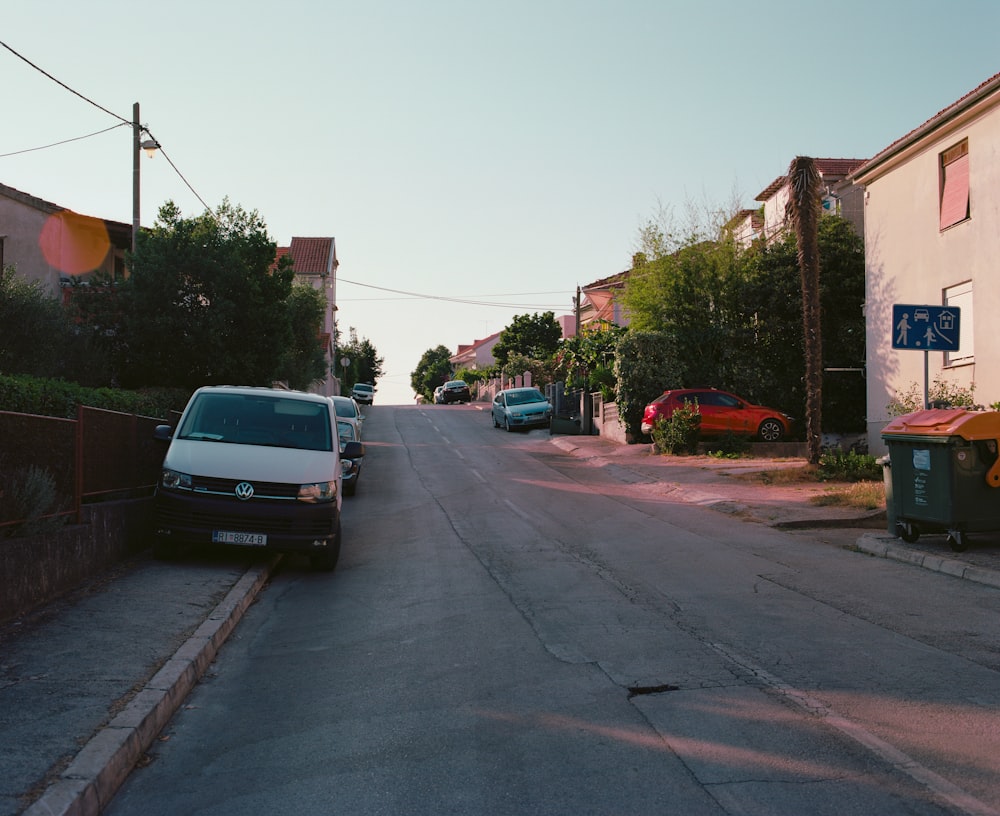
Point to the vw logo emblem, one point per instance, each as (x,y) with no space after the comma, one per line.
(244,491)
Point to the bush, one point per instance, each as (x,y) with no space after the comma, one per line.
(33,496)
(731,445)
(680,433)
(940,394)
(836,465)
(646,364)
(58,398)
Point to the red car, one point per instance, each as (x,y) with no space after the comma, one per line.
(721,413)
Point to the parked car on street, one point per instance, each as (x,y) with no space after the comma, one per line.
(456,391)
(347,408)
(253,467)
(364,393)
(721,413)
(439,395)
(350,468)
(521,408)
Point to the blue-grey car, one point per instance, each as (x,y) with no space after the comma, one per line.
(521,408)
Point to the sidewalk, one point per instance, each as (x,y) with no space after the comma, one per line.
(87,683)
(727,485)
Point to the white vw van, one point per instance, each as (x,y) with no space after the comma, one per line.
(253,467)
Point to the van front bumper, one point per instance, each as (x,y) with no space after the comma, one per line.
(286,526)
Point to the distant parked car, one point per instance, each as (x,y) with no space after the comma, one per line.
(347,408)
(350,467)
(521,408)
(364,393)
(456,391)
(439,395)
(721,413)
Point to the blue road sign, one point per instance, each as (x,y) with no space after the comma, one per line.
(925,328)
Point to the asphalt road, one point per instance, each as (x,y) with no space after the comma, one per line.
(512,630)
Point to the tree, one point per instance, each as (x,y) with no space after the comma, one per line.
(804,211)
(303,362)
(646,363)
(365,365)
(587,360)
(690,295)
(735,316)
(536,336)
(205,302)
(41,339)
(434,369)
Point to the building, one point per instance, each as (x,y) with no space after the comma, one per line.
(600,302)
(55,246)
(931,238)
(840,197)
(475,356)
(314,262)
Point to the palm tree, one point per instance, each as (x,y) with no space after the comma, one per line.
(803,210)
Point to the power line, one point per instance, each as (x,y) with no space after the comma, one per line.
(64,85)
(121,119)
(463,300)
(62,142)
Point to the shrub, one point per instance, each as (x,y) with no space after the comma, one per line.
(646,364)
(730,446)
(59,398)
(939,394)
(680,433)
(836,465)
(33,497)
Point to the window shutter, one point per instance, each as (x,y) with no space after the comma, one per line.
(955,195)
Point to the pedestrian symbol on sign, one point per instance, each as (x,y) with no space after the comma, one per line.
(925,328)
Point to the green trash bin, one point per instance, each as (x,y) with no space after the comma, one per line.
(945,473)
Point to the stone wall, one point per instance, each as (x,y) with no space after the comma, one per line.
(36,570)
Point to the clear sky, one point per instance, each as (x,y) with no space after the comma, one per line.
(474,160)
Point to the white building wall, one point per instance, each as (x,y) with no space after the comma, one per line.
(910,260)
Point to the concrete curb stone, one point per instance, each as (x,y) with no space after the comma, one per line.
(91,780)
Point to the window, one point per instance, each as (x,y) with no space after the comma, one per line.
(955,185)
(960,296)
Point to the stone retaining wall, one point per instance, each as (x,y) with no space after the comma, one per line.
(36,570)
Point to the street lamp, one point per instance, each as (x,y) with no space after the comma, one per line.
(150,145)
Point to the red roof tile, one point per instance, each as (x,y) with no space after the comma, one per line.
(311,256)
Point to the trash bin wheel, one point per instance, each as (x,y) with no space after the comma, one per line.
(958,541)
(908,531)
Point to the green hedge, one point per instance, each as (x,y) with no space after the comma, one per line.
(58,398)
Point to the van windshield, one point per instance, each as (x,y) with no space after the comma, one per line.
(252,419)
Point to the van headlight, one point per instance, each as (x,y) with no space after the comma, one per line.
(175,480)
(318,492)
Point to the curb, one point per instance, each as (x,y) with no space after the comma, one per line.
(91,780)
(884,547)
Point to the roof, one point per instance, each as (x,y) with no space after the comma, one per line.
(827,168)
(468,350)
(977,94)
(612,281)
(42,205)
(310,256)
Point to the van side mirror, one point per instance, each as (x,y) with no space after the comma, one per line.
(353,450)
(163,433)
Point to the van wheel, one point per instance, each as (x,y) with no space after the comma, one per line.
(326,559)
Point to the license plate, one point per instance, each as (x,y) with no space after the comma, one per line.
(232,537)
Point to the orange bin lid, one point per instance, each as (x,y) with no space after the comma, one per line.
(945,422)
